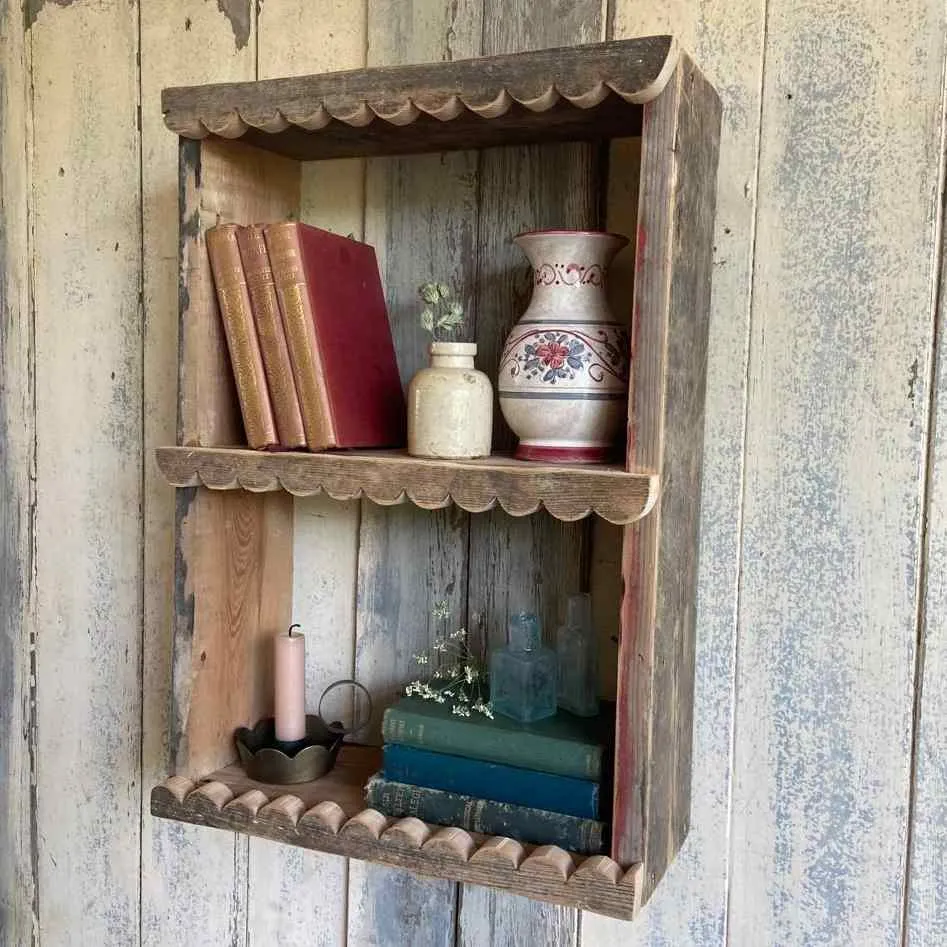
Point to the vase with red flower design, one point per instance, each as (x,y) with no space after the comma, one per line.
(563,376)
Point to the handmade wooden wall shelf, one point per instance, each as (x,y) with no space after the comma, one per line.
(240,160)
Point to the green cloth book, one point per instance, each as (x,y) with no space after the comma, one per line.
(564,744)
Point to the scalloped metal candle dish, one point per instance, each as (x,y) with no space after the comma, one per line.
(266,761)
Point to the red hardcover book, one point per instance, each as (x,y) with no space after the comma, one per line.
(339,338)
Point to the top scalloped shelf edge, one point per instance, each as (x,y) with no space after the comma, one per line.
(634,70)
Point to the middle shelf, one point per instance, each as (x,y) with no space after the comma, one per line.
(567,492)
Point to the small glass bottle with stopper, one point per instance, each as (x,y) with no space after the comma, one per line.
(523,674)
(578,668)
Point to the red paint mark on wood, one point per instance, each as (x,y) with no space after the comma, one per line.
(641,243)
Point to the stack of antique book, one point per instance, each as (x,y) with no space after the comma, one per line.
(538,783)
(307,329)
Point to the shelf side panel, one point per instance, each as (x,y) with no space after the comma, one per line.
(666,420)
(233,552)
(232,594)
(219,182)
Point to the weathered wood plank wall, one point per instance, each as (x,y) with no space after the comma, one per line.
(194,41)
(811,716)
(18,841)
(86,281)
(840,375)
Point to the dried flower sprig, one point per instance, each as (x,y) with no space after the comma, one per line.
(442,312)
(457,674)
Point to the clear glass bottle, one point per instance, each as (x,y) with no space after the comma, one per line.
(576,651)
(523,674)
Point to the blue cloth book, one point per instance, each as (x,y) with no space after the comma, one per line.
(525,824)
(493,781)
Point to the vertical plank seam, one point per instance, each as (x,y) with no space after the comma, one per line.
(459,889)
(347,869)
(32,722)
(142,486)
(738,590)
(923,542)
(242,843)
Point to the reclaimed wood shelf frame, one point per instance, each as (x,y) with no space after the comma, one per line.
(240,152)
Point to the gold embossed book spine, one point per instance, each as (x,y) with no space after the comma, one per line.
(272,338)
(236,313)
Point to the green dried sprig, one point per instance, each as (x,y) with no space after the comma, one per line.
(442,313)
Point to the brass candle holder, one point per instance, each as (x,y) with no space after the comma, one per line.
(279,762)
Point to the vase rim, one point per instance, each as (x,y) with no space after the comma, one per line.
(453,348)
(561,232)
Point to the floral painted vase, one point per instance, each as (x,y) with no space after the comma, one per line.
(450,405)
(563,376)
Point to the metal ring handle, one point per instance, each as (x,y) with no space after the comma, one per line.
(357,725)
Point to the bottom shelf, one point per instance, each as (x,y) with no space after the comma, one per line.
(329,815)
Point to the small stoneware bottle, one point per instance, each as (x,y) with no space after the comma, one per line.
(523,674)
(578,668)
(450,405)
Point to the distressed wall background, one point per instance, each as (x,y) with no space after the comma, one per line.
(820,784)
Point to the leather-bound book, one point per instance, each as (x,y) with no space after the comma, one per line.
(339,339)
(236,314)
(269,328)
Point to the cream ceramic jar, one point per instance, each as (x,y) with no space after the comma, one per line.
(450,405)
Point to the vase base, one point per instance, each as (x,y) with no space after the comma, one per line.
(552,454)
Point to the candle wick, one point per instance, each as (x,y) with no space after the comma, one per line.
(291,627)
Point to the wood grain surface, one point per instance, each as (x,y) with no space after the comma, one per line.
(329,815)
(233,566)
(450,104)
(690,904)
(421,218)
(665,431)
(282,878)
(18,814)
(926,906)
(87,344)
(180,42)
(840,375)
(525,564)
(389,478)
(842,271)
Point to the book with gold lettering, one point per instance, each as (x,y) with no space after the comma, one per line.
(269,327)
(339,338)
(236,313)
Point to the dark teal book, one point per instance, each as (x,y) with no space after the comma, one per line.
(525,824)
(495,781)
(564,744)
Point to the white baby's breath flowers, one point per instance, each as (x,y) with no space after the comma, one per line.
(456,673)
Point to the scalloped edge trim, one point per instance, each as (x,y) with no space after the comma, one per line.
(358,113)
(593,882)
(218,475)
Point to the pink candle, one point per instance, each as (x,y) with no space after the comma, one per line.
(290,686)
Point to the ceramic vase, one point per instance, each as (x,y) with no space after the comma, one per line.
(563,376)
(450,405)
